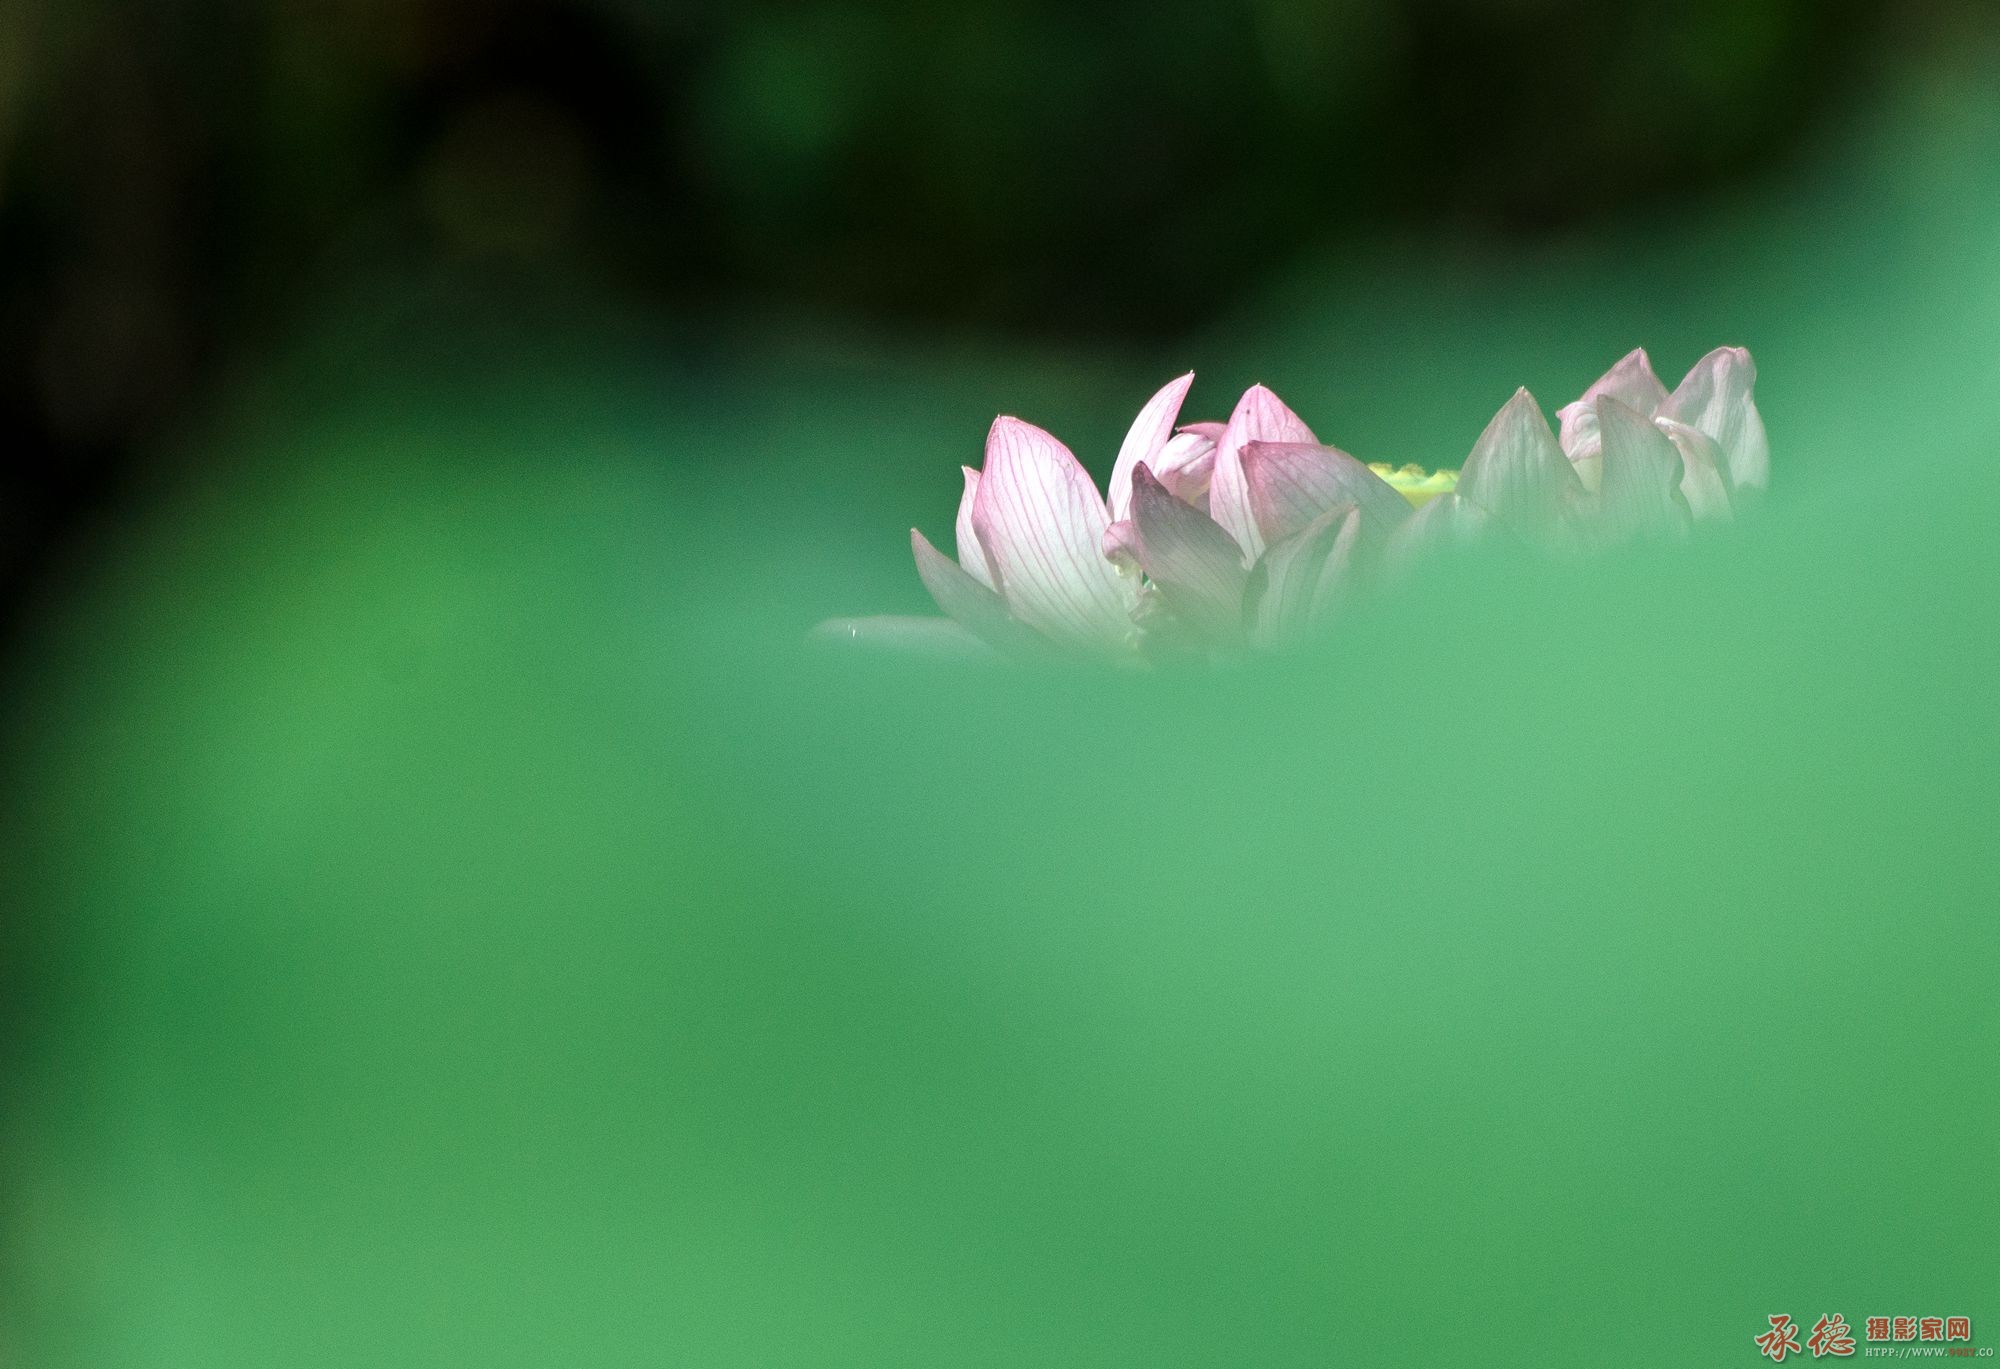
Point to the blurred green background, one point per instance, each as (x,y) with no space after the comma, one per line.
(452,918)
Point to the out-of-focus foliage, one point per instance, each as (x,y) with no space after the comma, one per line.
(1030,163)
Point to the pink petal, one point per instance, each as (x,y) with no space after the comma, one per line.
(1041,523)
(1185,465)
(1260,417)
(1631,382)
(1149,432)
(1298,579)
(1704,471)
(1446,523)
(1291,484)
(1640,495)
(1343,563)
(1716,397)
(1197,567)
(1121,545)
(1212,431)
(970,554)
(971,604)
(1518,473)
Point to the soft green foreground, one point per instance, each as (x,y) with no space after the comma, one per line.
(462,924)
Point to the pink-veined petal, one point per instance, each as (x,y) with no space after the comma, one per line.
(1704,471)
(1292,483)
(1260,417)
(1299,578)
(1041,523)
(1197,567)
(1633,383)
(1517,472)
(970,554)
(1185,465)
(1148,434)
(972,604)
(1716,397)
(1640,494)
(1121,545)
(1352,546)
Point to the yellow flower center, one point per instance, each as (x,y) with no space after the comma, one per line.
(1414,483)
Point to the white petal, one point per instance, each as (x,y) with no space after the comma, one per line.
(1518,473)
(1260,417)
(970,554)
(1704,471)
(1292,484)
(1041,523)
(1716,397)
(1640,495)
(1197,567)
(1149,432)
(971,604)
(1632,382)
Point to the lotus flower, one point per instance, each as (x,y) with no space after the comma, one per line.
(1632,460)
(1216,536)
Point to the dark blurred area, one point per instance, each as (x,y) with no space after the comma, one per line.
(176,179)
